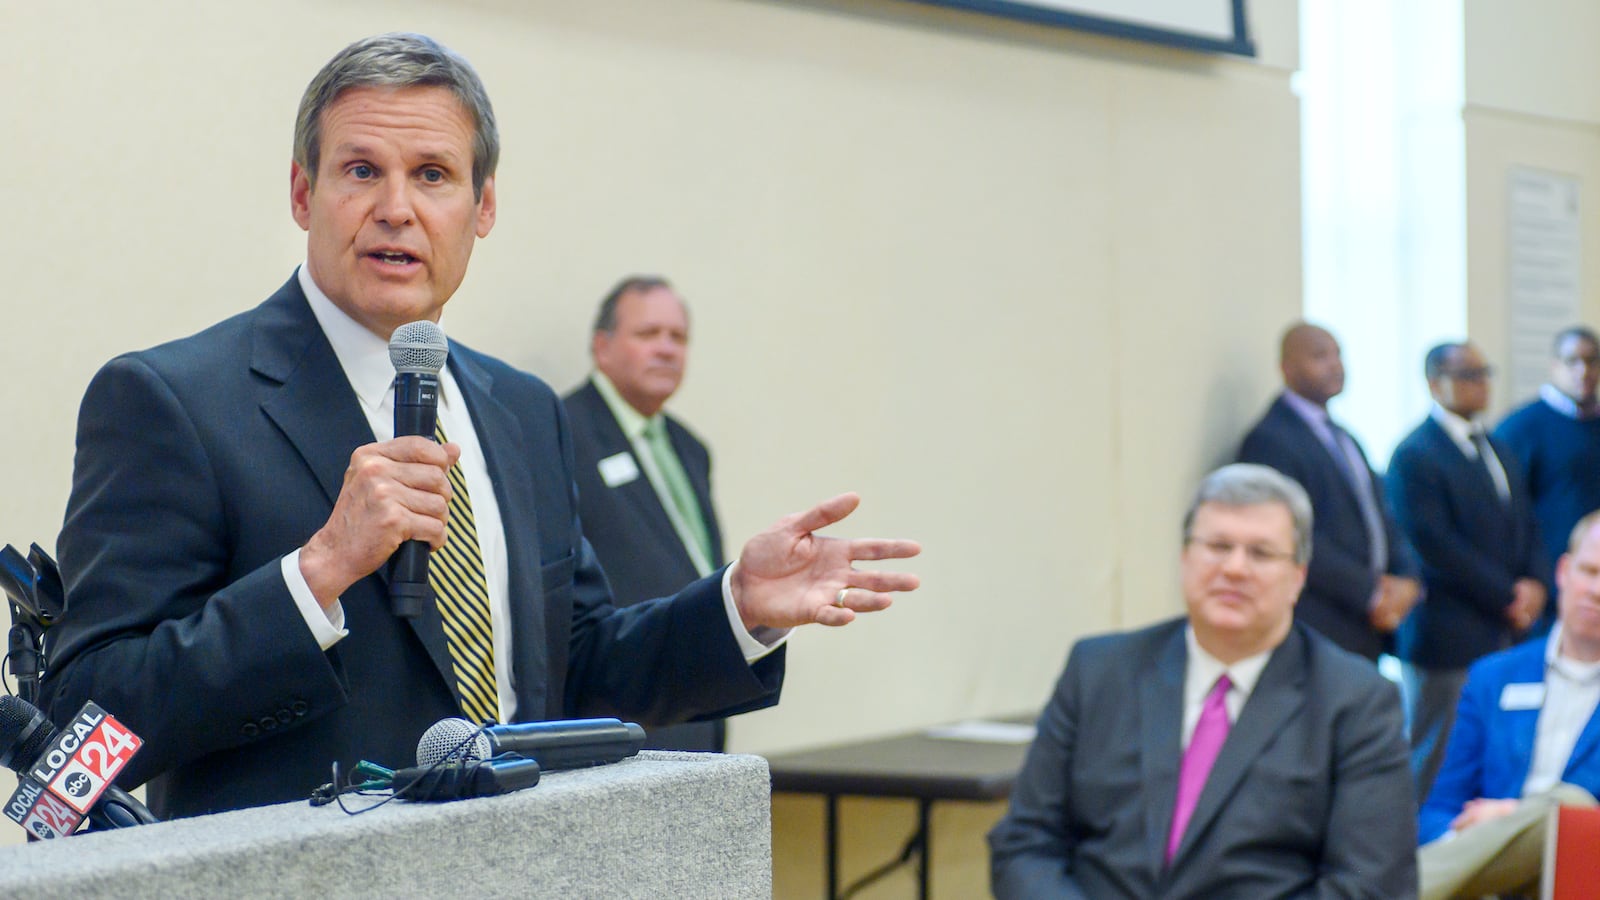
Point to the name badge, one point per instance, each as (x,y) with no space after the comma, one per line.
(1522,696)
(619,470)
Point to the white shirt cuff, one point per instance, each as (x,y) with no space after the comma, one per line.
(327,627)
(753,644)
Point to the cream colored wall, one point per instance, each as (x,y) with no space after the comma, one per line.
(1532,100)
(1018,287)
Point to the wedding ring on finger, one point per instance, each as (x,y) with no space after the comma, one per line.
(838,599)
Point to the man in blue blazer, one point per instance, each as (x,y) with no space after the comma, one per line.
(1526,727)
(653,531)
(1363,579)
(237,494)
(1461,500)
(1233,753)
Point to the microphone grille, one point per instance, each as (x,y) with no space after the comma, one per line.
(454,739)
(418,347)
(25,733)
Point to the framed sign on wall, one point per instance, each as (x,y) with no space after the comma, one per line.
(1217,26)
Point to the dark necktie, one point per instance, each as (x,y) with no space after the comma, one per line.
(455,572)
(1487,461)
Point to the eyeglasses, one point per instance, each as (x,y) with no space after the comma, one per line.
(1481,373)
(1217,551)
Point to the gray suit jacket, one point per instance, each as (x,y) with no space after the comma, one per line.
(1311,795)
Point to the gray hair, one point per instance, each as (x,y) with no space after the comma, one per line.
(398,60)
(606,318)
(1248,484)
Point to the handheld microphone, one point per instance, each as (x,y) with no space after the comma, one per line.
(65,776)
(418,351)
(464,780)
(562,744)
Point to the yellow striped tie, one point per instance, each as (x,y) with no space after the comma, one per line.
(455,572)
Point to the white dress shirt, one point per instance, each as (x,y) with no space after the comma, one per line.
(1571,693)
(1462,434)
(1200,676)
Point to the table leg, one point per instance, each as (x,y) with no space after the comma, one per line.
(924,806)
(833,846)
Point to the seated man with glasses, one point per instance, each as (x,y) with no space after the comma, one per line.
(1460,498)
(1229,753)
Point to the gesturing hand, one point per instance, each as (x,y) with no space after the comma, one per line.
(788,575)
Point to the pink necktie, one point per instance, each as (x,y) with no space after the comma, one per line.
(1209,733)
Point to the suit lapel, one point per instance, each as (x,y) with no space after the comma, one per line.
(1161,733)
(1471,477)
(501,437)
(314,406)
(1339,465)
(639,494)
(1277,698)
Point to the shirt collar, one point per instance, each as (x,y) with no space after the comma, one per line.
(632,422)
(1561,403)
(1460,430)
(363,355)
(1572,669)
(1307,410)
(1203,670)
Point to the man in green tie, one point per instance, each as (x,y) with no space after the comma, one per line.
(644,480)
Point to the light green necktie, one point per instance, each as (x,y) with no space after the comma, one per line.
(455,572)
(688,506)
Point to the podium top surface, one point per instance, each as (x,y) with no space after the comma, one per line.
(659,824)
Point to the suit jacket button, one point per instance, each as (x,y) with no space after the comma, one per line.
(250,730)
(285,717)
(299,708)
(267,723)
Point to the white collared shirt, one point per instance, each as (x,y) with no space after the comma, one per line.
(1200,675)
(1572,691)
(1462,432)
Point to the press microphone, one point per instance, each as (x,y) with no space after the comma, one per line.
(464,780)
(562,744)
(65,776)
(418,351)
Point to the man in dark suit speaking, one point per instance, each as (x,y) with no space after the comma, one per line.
(644,481)
(224,549)
(1234,753)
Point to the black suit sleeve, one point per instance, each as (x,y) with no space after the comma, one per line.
(166,628)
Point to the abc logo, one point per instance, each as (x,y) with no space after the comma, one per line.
(78,784)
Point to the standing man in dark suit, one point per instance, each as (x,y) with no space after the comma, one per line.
(1555,440)
(1468,515)
(1234,753)
(644,481)
(237,494)
(1362,580)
